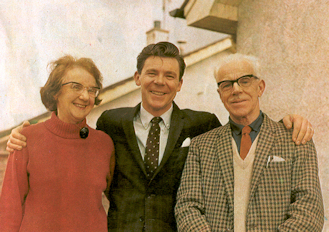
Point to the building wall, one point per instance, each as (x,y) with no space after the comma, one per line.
(291,38)
(199,89)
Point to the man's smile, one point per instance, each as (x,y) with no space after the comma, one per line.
(158,93)
(237,101)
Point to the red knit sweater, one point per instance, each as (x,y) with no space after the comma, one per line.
(56,182)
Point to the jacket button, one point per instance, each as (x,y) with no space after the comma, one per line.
(141,219)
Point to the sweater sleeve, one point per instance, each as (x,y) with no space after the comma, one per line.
(109,177)
(14,191)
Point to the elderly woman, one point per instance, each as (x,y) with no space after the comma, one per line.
(56,182)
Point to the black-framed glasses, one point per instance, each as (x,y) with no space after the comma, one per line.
(78,88)
(244,81)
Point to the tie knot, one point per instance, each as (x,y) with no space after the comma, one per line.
(156,120)
(246,130)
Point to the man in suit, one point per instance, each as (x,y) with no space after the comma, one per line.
(139,199)
(248,175)
(139,202)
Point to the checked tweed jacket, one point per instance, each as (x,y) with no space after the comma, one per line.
(285,196)
(138,204)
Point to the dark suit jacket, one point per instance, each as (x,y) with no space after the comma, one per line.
(285,195)
(137,204)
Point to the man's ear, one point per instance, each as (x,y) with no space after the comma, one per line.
(220,96)
(261,88)
(180,85)
(137,78)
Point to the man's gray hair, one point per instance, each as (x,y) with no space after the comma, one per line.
(254,62)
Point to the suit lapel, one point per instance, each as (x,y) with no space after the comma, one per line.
(265,142)
(176,127)
(225,159)
(128,127)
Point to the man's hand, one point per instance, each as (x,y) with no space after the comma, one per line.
(16,140)
(303,130)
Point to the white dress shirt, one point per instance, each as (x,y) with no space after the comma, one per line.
(142,125)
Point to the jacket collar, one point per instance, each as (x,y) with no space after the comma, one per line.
(128,128)
(267,137)
(176,126)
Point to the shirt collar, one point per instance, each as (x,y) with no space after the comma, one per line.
(146,117)
(255,125)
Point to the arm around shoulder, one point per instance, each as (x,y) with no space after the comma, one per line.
(16,140)
(215,122)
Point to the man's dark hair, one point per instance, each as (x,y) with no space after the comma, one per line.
(161,49)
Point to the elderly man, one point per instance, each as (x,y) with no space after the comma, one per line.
(248,175)
(146,179)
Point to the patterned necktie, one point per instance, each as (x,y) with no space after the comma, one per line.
(151,158)
(245,142)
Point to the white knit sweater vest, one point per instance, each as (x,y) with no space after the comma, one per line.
(242,181)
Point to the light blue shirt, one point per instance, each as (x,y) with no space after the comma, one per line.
(142,125)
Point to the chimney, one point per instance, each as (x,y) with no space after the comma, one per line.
(156,34)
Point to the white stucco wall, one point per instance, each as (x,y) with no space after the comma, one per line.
(291,38)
